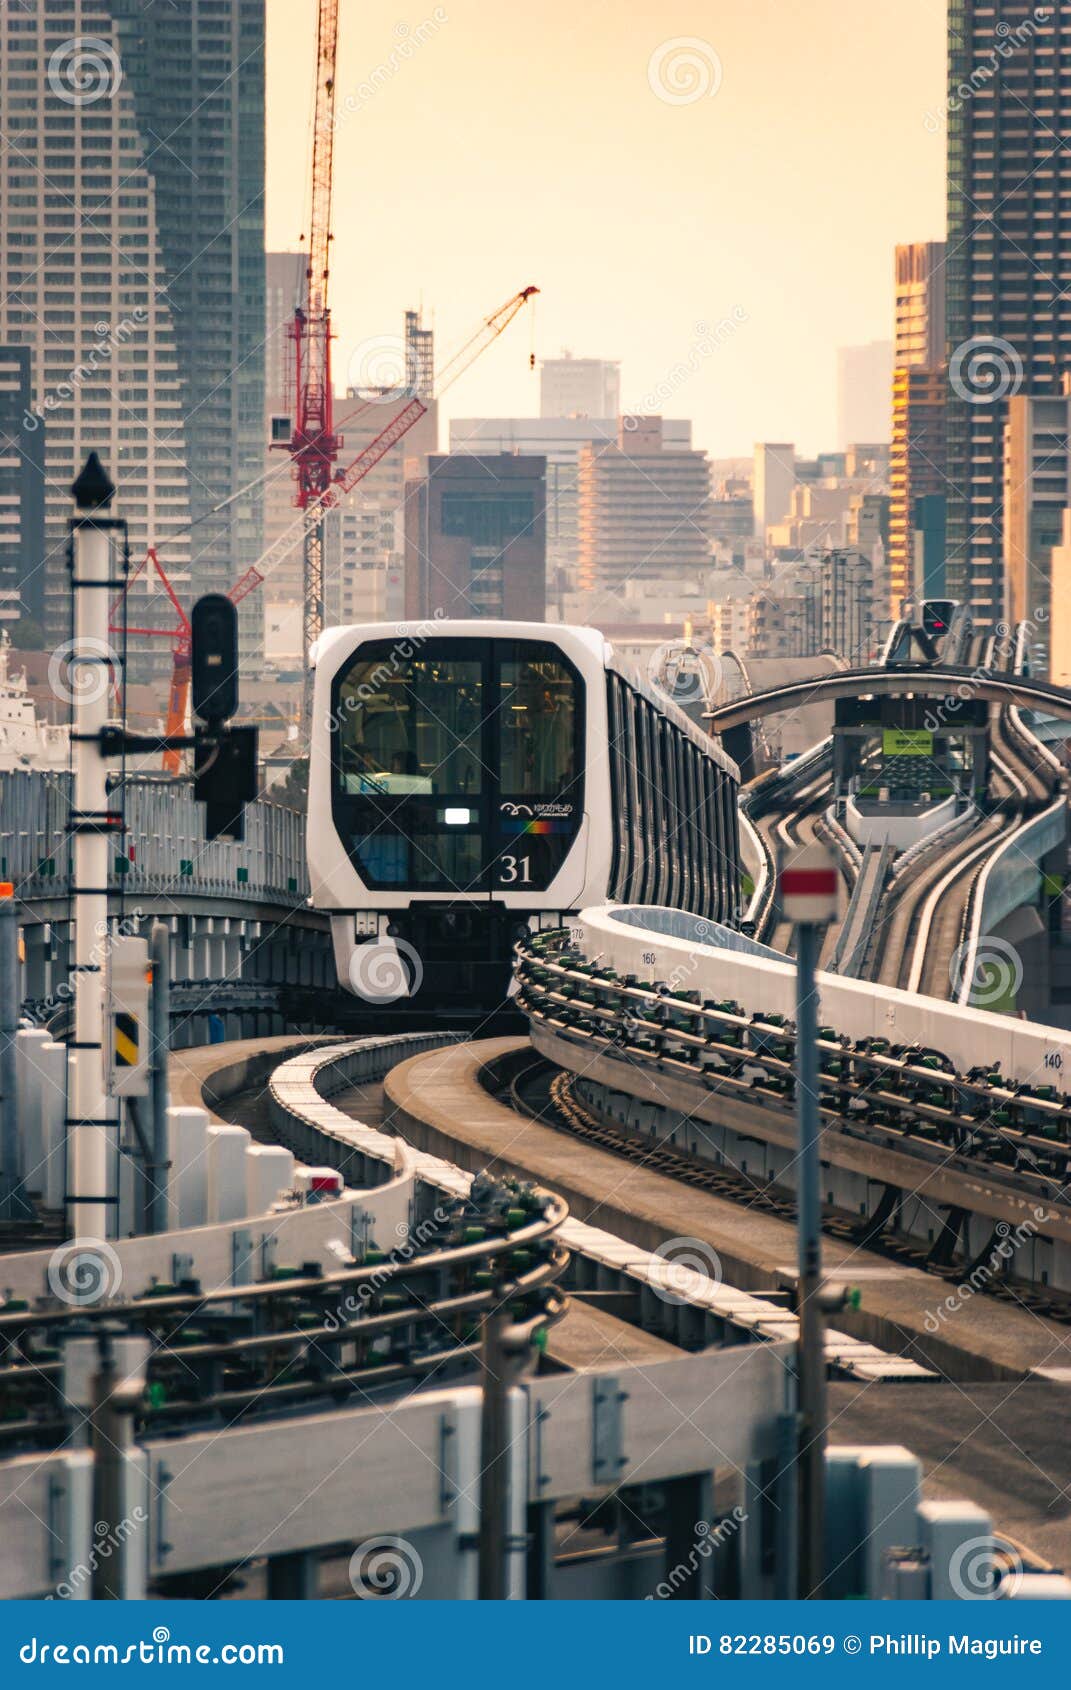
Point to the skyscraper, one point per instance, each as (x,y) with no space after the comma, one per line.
(1009,261)
(863,376)
(774,479)
(132,241)
(917,466)
(643,508)
(579,387)
(22,491)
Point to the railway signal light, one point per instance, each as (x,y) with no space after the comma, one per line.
(214,658)
(225,779)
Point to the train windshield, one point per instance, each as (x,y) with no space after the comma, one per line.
(458,763)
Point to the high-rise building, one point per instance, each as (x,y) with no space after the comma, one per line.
(579,387)
(930,546)
(132,242)
(643,508)
(847,589)
(1009,264)
(919,392)
(774,479)
(285,290)
(919,341)
(22,491)
(559,440)
(864,374)
(475,538)
(1037,491)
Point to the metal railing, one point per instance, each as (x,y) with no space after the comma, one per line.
(163,848)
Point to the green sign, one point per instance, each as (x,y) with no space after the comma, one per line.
(907,742)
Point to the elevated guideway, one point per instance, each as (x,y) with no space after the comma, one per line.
(970,802)
(926,1104)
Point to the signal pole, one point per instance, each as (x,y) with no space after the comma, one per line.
(808,888)
(92,1124)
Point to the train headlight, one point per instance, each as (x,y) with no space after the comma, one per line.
(457,817)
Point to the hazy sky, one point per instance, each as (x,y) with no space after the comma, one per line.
(525,144)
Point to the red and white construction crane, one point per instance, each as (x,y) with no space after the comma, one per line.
(314,445)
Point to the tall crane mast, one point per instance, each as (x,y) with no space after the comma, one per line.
(314,446)
(316,507)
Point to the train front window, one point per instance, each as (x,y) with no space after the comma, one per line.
(458,765)
(537,704)
(413,725)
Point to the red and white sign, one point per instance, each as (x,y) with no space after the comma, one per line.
(809,886)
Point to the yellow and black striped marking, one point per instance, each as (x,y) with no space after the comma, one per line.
(127,1035)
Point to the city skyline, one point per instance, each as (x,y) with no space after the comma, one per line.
(716,173)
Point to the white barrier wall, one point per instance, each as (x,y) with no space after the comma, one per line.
(269,1170)
(1026,1051)
(227,1182)
(188,1131)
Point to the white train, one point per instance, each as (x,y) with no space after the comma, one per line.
(472,779)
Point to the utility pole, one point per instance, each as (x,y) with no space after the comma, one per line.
(808,888)
(92,1122)
(506,1355)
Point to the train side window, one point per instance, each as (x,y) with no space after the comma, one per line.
(700,775)
(633,811)
(730,852)
(671,883)
(725,898)
(684,894)
(619,803)
(651,807)
(710,835)
(690,757)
